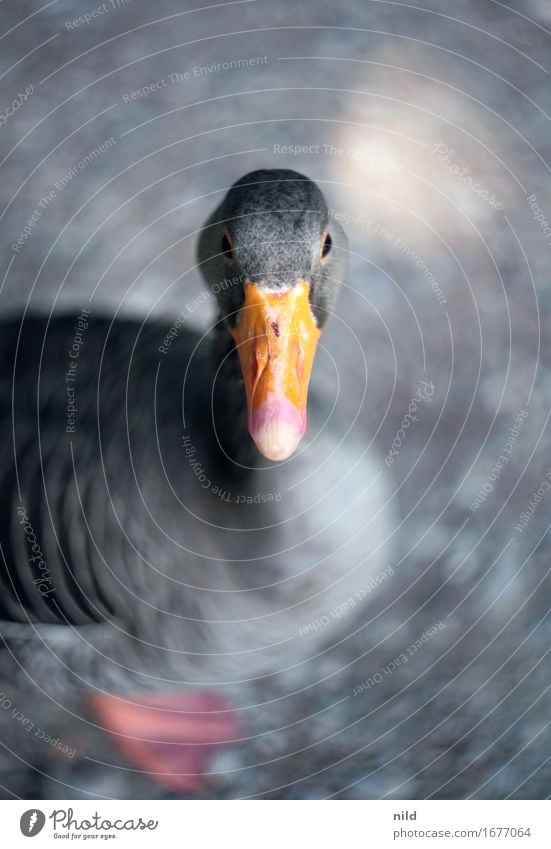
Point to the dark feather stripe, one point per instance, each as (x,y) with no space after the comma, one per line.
(89,523)
(98,542)
(48,493)
(55,604)
(21,569)
(12,596)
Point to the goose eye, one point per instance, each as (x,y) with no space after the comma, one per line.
(327,245)
(227,248)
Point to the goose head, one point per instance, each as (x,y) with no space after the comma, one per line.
(274,261)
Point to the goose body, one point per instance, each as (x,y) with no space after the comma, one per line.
(137,507)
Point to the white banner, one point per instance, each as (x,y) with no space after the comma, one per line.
(279,825)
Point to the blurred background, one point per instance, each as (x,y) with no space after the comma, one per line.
(427,127)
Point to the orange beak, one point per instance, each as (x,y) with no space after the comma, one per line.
(276,338)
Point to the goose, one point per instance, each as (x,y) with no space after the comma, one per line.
(180,518)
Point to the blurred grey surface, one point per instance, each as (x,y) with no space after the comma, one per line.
(428,129)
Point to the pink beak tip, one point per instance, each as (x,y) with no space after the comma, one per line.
(277,428)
